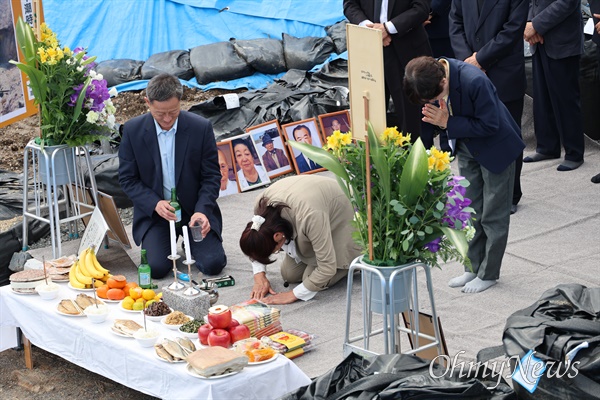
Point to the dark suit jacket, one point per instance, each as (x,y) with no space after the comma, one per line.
(197,174)
(496,34)
(303,165)
(595,9)
(270,164)
(439,26)
(561,25)
(480,119)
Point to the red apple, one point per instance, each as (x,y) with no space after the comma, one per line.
(203,332)
(219,337)
(234,322)
(219,316)
(239,332)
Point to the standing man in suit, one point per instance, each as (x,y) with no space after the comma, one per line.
(438,28)
(404,38)
(301,133)
(595,9)
(273,158)
(489,35)
(460,99)
(169,148)
(555,32)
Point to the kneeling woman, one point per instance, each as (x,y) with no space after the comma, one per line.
(309,217)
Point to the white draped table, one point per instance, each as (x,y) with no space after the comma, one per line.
(96,348)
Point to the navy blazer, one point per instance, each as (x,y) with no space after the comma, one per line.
(560,24)
(496,34)
(439,27)
(595,9)
(197,174)
(479,119)
(303,165)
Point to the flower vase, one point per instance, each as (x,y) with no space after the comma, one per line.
(60,162)
(399,300)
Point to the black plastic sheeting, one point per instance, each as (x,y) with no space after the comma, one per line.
(120,71)
(398,376)
(564,317)
(296,96)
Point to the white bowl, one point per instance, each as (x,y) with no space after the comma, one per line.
(97,315)
(47,291)
(173,326)
(146,338)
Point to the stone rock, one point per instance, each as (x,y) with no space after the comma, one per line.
(32,380)
(18,260)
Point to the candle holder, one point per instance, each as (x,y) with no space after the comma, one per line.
(190,291)
(176,285)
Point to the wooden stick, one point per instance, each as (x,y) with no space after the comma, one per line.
(366,104)
(369,211)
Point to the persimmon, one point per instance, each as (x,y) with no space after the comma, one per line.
(115,294)
(116,282)
(128,286)
(101,291)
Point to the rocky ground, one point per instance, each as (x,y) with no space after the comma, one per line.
(52,377)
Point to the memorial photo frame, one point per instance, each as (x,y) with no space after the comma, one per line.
(271,148)
(249,168)
(304,131)
(229,183)
(339,120)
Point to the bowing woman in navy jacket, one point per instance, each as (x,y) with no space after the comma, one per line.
(460,99)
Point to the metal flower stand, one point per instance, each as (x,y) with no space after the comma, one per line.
(54,177)
(401,282)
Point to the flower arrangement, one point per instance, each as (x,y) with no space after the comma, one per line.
(419,211)
(74,101)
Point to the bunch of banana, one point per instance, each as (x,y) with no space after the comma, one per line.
(86,268)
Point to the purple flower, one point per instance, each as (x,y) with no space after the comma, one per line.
(434,245)
(95,95)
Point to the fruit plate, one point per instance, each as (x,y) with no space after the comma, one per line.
(126,310)
(193,373)
(79,290)
(111,301)
(268,360)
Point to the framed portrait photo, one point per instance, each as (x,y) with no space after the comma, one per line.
(229,184)
(335,121)
(250,171)
(305,131)
(269,143)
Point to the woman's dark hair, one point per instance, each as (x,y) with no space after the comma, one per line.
(246,142)
(259,244)
(423,79)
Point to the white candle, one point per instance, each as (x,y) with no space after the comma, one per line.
(186,240)
(173,238)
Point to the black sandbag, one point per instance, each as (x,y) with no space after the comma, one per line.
(564,317)
(304,53)
(120,71)
(218,62)
(398,376)
(11,242)
(589,83)
(174,62)
(264,55)
(337,33)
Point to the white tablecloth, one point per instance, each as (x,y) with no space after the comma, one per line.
(96,348)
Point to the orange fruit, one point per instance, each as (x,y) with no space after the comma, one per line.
(116,282)
(115,294)
(128,286)
(136,292)
(148,294)
(101,291)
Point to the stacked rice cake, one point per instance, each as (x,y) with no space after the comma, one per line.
(24,282)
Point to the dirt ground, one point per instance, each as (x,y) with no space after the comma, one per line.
(52,377)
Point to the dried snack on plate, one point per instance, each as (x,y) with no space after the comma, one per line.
(217,360)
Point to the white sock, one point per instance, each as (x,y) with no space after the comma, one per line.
(462,280)
(478,285)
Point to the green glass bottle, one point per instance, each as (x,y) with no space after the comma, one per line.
(144,272)
(175,204)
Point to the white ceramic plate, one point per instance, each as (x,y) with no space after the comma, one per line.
(172,327)
(110,301)
(163,360)
(193,373)
(69,315)
(79,290)
(157,318)
(23,293)
(120,334)
(264,361)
